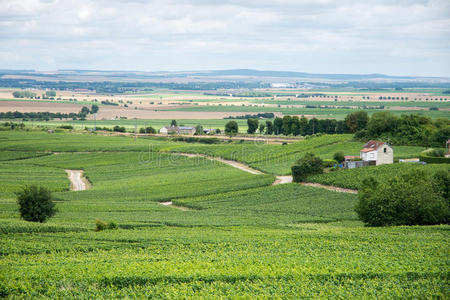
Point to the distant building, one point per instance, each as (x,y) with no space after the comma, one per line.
(177,130)
(377,153)
(209,131)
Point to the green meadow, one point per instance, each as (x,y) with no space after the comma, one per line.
(238,236)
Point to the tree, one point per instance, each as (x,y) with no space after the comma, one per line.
(287,125)
(411,198)
(269,127)
(278,125)
(356,121)
(252,125)
(118,128)
(231,128)
(198,129)
(94,109)
(149,129)
(50,93)
(84,110)
(303,125)
(262,126)
(339,156)
(307,165)
(173,123)
(35,203)
(381,122)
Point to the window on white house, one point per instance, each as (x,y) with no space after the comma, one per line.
(385,150)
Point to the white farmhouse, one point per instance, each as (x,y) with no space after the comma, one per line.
(177,130)
(377,153)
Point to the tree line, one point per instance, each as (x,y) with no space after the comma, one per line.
(408,129)
(46,116)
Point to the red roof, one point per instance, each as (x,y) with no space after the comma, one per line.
(368,150)
(349,157)
(374,145)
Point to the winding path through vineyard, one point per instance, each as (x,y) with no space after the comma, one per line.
(78,182)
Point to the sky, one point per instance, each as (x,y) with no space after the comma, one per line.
(394,37)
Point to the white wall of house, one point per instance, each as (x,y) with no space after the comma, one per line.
(163,130)
(369,156)
(385,155)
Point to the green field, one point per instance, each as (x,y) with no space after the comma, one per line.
(240,238)
(333,113)
(352,178)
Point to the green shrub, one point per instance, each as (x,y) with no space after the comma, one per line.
(411,198)
(339,156)
(329,163)
(35,203)
(307,165)
(102,225)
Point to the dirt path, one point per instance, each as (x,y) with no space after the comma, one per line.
(232,163)
(282,180)
(78,182)
(330,187)
(170,203)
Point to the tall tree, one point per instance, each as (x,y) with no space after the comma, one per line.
(278,125)
(252,125)
(269,127)
(231,128)
(357,121)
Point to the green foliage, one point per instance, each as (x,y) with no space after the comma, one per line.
(198,129)
(173,123)
(339,156)
(308,165)
(242,237)
(102,225)
(411,129)
(412,198)
(328,163)
(356,121)
(118,128)
(24,94)
(252,125)
(35,203)
(94,108)
(352,178)
(149,129)
(231,128)
(50,93)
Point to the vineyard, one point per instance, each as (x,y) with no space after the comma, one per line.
(353,178)
(238,237)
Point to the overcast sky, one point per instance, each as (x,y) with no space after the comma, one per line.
(403,37)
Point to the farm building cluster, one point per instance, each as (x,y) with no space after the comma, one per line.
(184,130)
(373,153)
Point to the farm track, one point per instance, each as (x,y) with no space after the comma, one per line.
(278,180)
(78,182)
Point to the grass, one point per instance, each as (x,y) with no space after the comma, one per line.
(333,113)
(278,159)
(352,178)
(242,237)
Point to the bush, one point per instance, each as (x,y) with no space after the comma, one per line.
(66,127)
(35,203)
(149,129)
(118,128)
(411,198)
(102,225)
(307,165)
(329,163)
(339,156)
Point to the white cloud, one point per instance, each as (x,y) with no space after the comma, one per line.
(342,36)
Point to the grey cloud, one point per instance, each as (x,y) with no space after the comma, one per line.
(315,36)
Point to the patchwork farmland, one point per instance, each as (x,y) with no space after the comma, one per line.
(236,236)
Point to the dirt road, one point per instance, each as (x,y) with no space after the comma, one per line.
(78,182)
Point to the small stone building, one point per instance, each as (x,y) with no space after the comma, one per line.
(377,153)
